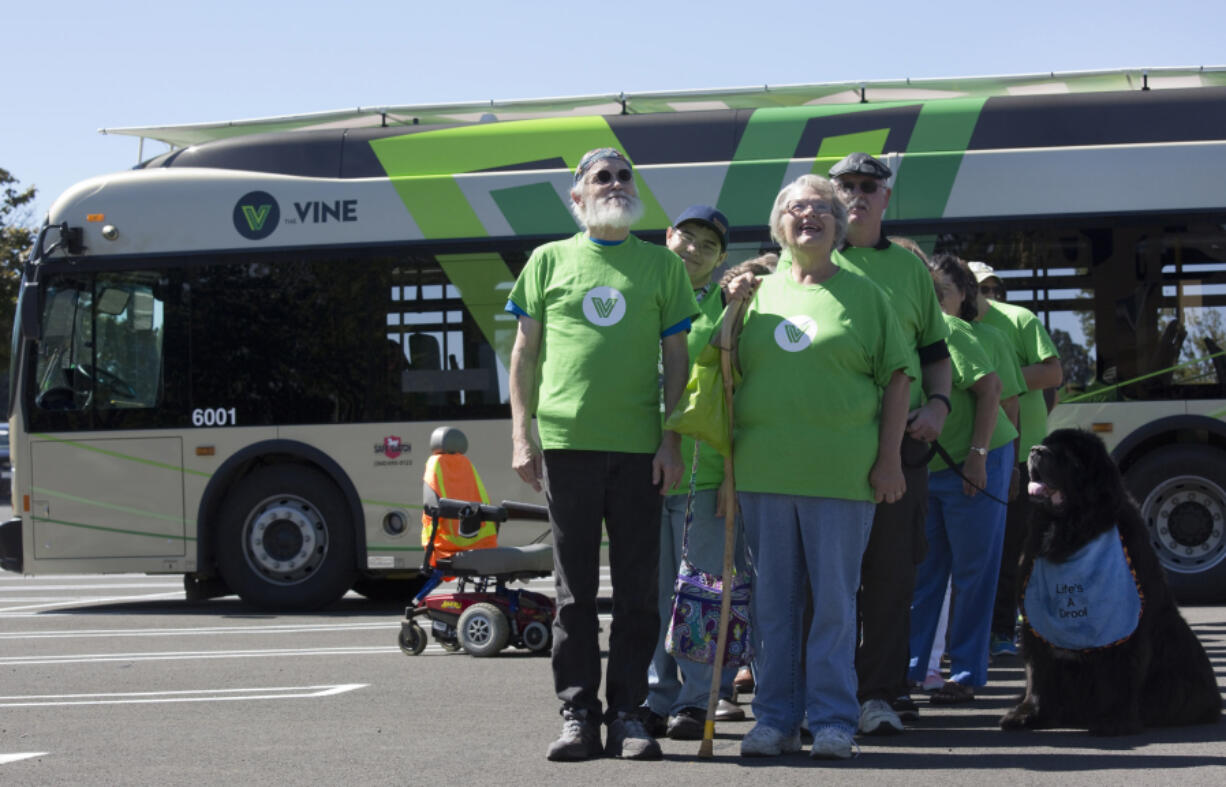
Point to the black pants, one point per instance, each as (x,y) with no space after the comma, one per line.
(1004,613)
(887,580)
(584,490)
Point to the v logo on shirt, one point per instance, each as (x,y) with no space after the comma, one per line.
(794,333)
(604,306)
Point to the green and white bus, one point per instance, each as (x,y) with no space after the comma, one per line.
(228,361)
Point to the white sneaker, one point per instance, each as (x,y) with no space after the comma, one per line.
(932,681)
(831,743)
(878,718)
(764,741)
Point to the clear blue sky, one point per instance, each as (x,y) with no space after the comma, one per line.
(75,66)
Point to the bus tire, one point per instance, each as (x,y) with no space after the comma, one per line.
(1181,490)
(286,540)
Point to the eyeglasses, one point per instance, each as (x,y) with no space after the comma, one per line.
(992,291)
(865,186)
(801,208)
(605,176)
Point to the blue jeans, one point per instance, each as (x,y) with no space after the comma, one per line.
(792,540)
(666,692)
(965,538)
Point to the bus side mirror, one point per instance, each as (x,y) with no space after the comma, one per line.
(30,309)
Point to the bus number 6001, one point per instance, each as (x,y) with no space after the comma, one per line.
(214,416)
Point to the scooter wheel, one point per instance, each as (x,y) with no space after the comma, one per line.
(537,636)
(483,630)
(412,639)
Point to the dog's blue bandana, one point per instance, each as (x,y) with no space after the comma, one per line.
(1091,600)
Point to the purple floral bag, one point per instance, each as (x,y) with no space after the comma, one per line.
(695,618)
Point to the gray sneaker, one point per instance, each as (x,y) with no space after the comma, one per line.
(628,739)
(580,739)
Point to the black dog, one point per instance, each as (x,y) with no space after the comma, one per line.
(1112,655)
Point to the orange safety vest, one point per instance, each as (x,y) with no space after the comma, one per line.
(453,476)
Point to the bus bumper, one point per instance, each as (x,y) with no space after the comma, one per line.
(10,545)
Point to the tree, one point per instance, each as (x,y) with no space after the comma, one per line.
(15,239)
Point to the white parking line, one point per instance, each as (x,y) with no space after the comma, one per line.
(188,655)
(200,695)
(8,612)
(7,758)
(288,628)
(112,586)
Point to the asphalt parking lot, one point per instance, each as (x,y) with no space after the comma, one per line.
(119,680)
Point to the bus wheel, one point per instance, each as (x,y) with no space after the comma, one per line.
(286,540)
(1182,492)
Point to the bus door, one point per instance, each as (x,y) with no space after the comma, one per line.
(102,484)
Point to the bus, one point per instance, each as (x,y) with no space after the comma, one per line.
(228,361)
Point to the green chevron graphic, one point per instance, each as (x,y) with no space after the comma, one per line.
(794,334)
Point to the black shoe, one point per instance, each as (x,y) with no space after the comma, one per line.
(727,710)
(628,739)
(580,739)
(687,724)
(655,724)
(906,708)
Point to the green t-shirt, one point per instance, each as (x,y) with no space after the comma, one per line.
(814,359)
(1032,345)
(710,464)
(602,311)
(1004,361)
(906,281)
(970,361)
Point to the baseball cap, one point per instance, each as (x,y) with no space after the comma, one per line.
(705,214)
(982,271)
(592,156)
(861,164)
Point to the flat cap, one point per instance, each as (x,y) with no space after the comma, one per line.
(861,164)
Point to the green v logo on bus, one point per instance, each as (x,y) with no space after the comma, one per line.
(795,333)
(604,306)
(256,215)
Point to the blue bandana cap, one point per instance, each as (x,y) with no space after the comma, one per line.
(592,156)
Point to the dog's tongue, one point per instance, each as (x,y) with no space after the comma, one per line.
(1037,489)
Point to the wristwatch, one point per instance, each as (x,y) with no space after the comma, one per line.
(977,450)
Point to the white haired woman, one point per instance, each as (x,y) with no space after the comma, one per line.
(820,415)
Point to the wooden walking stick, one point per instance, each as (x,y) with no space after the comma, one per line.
(726,338)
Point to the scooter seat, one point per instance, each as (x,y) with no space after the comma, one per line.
(502,561)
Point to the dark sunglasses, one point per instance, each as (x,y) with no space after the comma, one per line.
(990,290)
(865,186)
(605,176)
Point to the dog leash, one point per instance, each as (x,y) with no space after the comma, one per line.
(935,447)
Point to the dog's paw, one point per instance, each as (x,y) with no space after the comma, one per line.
(1025,715)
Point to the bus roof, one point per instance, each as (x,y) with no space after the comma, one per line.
(755,97)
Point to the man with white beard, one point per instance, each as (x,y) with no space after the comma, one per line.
(596,312)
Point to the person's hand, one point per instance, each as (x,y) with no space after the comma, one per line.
(887,480)
(742,287)
(925,423)
(975,468)
(666,466)
(527,461)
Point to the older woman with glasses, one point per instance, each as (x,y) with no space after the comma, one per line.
(820,414)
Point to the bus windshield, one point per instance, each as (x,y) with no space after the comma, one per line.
(102,344)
